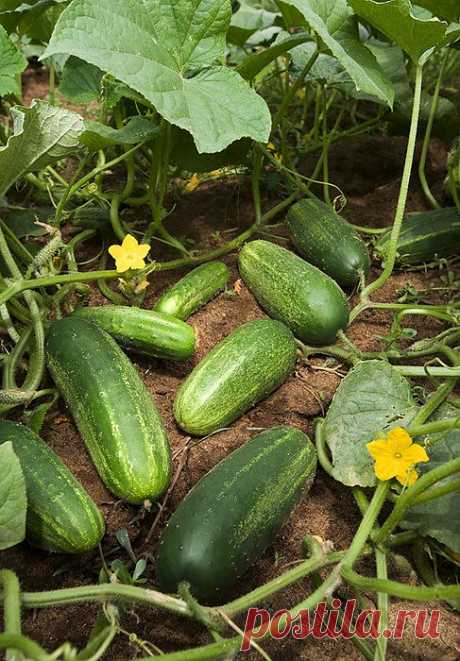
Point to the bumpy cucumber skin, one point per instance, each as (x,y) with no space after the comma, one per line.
(61,517)
(295,292)
(326,240)
(112,409)
(194,290)
(424,236)
(234,513)
(237,373)
(144,331)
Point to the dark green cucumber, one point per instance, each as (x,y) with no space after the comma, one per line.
(425,236)
(61,516)
(326,240)
(112,408)
(144,331)
(237,373)
(295,292)
(233,514)
(194,290)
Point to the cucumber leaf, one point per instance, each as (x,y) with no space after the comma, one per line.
(80,81)
(42,135)
(334,23)
(168,54)
(98,136)
(254,63)
(247,21)
(396,20)
(449,10)
(13,500)
(12,64)
(372,399)
(440,518)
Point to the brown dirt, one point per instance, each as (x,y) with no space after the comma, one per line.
(368,170)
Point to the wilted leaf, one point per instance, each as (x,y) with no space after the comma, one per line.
(372,398)
(440,518)
(42,135)
(13,501)
(168,54)
(396,20)
(12,64)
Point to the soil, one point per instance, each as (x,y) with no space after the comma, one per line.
(368,170)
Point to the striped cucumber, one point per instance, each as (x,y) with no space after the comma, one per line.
(112,408)
(326,240)
(237,373)
(144,331)
(425,236)
(295,292)
(61,516)
(234,513)
(194,290)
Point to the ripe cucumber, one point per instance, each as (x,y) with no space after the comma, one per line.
(112,408)
(194,290)
(234,513)
(326,240)
(425,236)
(61,516)
(144,331)
(237,373)
(295,292)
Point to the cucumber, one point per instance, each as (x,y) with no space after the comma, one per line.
(194,290)
(233,514)
(237,373)
(326,240)
(295,292)
(144,331)
(112,408)
(61,516)
(425,236)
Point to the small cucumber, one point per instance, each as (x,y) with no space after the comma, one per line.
(326,240)
(295,292)
(237,373)
(144,331)
(61,516)
(194,290)
(234,513)
(112,408)
(425,236)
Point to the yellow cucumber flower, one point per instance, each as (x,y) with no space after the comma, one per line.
(396,456)
(192,184)
(130,255)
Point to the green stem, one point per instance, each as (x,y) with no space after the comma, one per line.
(282,110)
(429,129)
(382,605)
(434,427)
(32,651)
(11,606)
(428,371)
(205,653)
(433,402)
(401,207)
(401,590)
(438,492)
(367,523)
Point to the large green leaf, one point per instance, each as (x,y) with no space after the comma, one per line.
(333,22)
(42,135)
(396,20)
(81,82)
(12,64)
(440,518)
(13,501)
(371,399)
(247,21)
(447,9)
(167,53)
(98,136)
